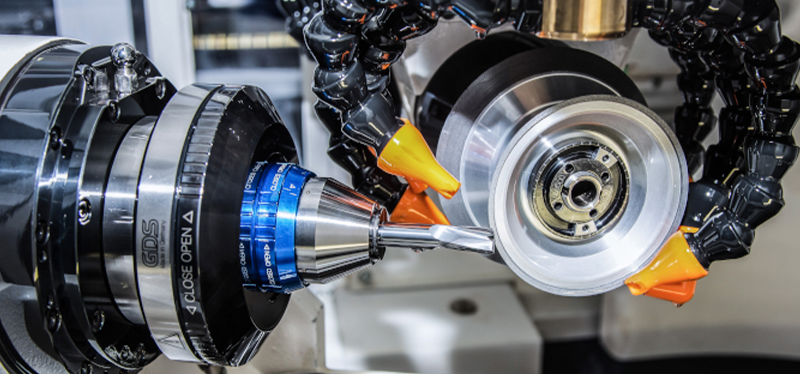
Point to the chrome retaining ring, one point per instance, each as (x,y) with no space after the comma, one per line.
(154,220)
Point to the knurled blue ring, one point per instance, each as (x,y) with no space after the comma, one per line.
(248,268)
(287,215)
(267,226)
(265,222)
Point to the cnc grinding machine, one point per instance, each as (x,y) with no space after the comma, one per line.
(143,219)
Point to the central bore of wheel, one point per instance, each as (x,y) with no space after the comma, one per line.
(580,191)
(583,193)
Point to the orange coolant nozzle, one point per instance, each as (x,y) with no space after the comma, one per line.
(407,155)
(672,274)
(417,207)
(679,293)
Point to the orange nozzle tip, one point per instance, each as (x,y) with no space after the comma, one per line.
(678,293)
(416,207)
(635,287)
(408,155)
(674,263)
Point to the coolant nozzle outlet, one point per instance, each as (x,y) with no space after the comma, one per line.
(408,155)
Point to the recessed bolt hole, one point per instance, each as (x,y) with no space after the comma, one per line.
(55,138)
(98,320)
(583,193)
(464,307)
(53,320)
(593,213)
(558,206)
(569,168)
(585,228)
(84,212)
(42,232)
(605,176)
(606,158)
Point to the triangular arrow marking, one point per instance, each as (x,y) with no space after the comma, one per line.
(189,217)
(172,340)
(192,309)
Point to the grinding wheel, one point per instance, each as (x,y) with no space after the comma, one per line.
(586,193)
(561,206)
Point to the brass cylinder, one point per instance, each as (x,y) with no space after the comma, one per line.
(584,19)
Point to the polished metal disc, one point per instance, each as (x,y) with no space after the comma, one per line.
(585,193)
(500,102)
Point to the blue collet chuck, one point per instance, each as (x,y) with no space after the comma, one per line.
(296,229)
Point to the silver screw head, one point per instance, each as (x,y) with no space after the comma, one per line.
(123,54)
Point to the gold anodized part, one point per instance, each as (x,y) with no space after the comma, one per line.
(584,19)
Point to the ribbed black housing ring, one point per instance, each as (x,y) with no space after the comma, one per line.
(234,125)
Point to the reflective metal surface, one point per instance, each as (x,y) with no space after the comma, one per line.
(473,137)
(334,231)
(580,190)
(236,125)
(154,236)
(123,55)
(340,231)
(118,219)
(421,237)
(596,263)
(584,20)
(34,76)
